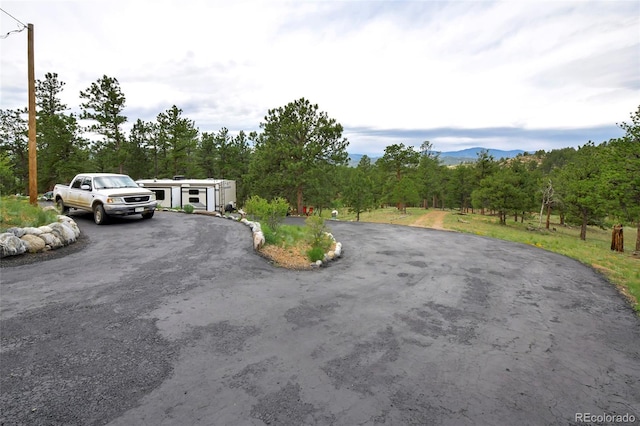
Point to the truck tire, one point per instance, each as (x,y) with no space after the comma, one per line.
(61,207)
(99,216)
(148,215)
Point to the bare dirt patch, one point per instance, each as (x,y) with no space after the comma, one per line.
(294,257)
(433,219)
(291,257)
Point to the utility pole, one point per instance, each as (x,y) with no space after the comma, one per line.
(33,159)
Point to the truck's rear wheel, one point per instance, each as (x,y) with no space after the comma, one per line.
(99,216)
(61,207)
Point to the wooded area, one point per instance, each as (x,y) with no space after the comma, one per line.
(301,155)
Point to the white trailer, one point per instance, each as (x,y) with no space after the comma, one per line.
(203,194)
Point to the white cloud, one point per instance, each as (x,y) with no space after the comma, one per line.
(369,64)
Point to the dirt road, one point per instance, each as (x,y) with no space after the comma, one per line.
(434,219)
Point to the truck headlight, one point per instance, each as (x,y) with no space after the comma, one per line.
(115,200)
(152,197)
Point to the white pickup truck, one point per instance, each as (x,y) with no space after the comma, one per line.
(105,194)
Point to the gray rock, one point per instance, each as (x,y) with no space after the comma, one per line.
(33,243)
(51,240)
(32,231)
(10,245)
(258,240)
(64,232)
(18,232)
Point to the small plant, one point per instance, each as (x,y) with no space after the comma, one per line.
(315,254)
(188,208)
(269,236)
(272,212)
(318,233)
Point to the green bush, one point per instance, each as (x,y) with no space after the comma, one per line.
(269,236)
(188,208)
(318,233)
(271,212)
(18,212)
(315,254)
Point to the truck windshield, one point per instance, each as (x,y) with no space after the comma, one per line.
(111,182)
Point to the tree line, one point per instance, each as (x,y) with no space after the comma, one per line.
(300,154)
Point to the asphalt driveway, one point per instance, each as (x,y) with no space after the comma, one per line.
(176,320)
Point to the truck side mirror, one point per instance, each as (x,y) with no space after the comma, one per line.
(86,187)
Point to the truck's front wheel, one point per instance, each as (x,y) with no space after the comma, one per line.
(61,207)
(99,216)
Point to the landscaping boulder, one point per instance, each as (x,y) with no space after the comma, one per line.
(64,232)
(33,243)
(18,232)
(11,245)
(51,240)
(258,240)
(32,231)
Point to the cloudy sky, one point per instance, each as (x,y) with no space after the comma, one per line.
(506,75)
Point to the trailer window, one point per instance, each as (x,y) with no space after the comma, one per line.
(194,192)
(159,194)
(194,199)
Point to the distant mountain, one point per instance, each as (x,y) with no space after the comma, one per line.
(453,157)
(473,153)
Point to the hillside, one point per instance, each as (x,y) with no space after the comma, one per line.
(454,157)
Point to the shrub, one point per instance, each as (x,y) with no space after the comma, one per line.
(272,212)
(269,235)
(188,208)
(318,233)
(315,254)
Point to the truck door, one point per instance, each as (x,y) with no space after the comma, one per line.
(85,196)
(73,194)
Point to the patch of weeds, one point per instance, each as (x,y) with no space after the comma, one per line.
(315,254)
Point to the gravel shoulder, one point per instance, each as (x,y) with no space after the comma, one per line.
(177,321)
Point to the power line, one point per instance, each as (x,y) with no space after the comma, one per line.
(13,31)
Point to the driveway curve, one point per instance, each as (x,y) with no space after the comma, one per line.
(176,320)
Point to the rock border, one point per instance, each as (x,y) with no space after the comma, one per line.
(16,241)
(258,242)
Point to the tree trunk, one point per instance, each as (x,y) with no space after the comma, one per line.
(358,216)
(299,198)
(583,228)
(617,239)
(548,215)
(638,237)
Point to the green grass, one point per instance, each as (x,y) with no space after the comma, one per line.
(17,212)
(286,235)
(384,215)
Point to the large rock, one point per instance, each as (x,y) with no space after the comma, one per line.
(51,240)
(18,232)
(32,231)
(33,243)
(64,232)
(10,245)
(258,240)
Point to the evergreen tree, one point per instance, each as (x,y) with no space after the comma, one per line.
(580,187)
(359,191)
(178,142)
(62,153)
(296,140)
(104,104)
(398,162)
(14,145)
